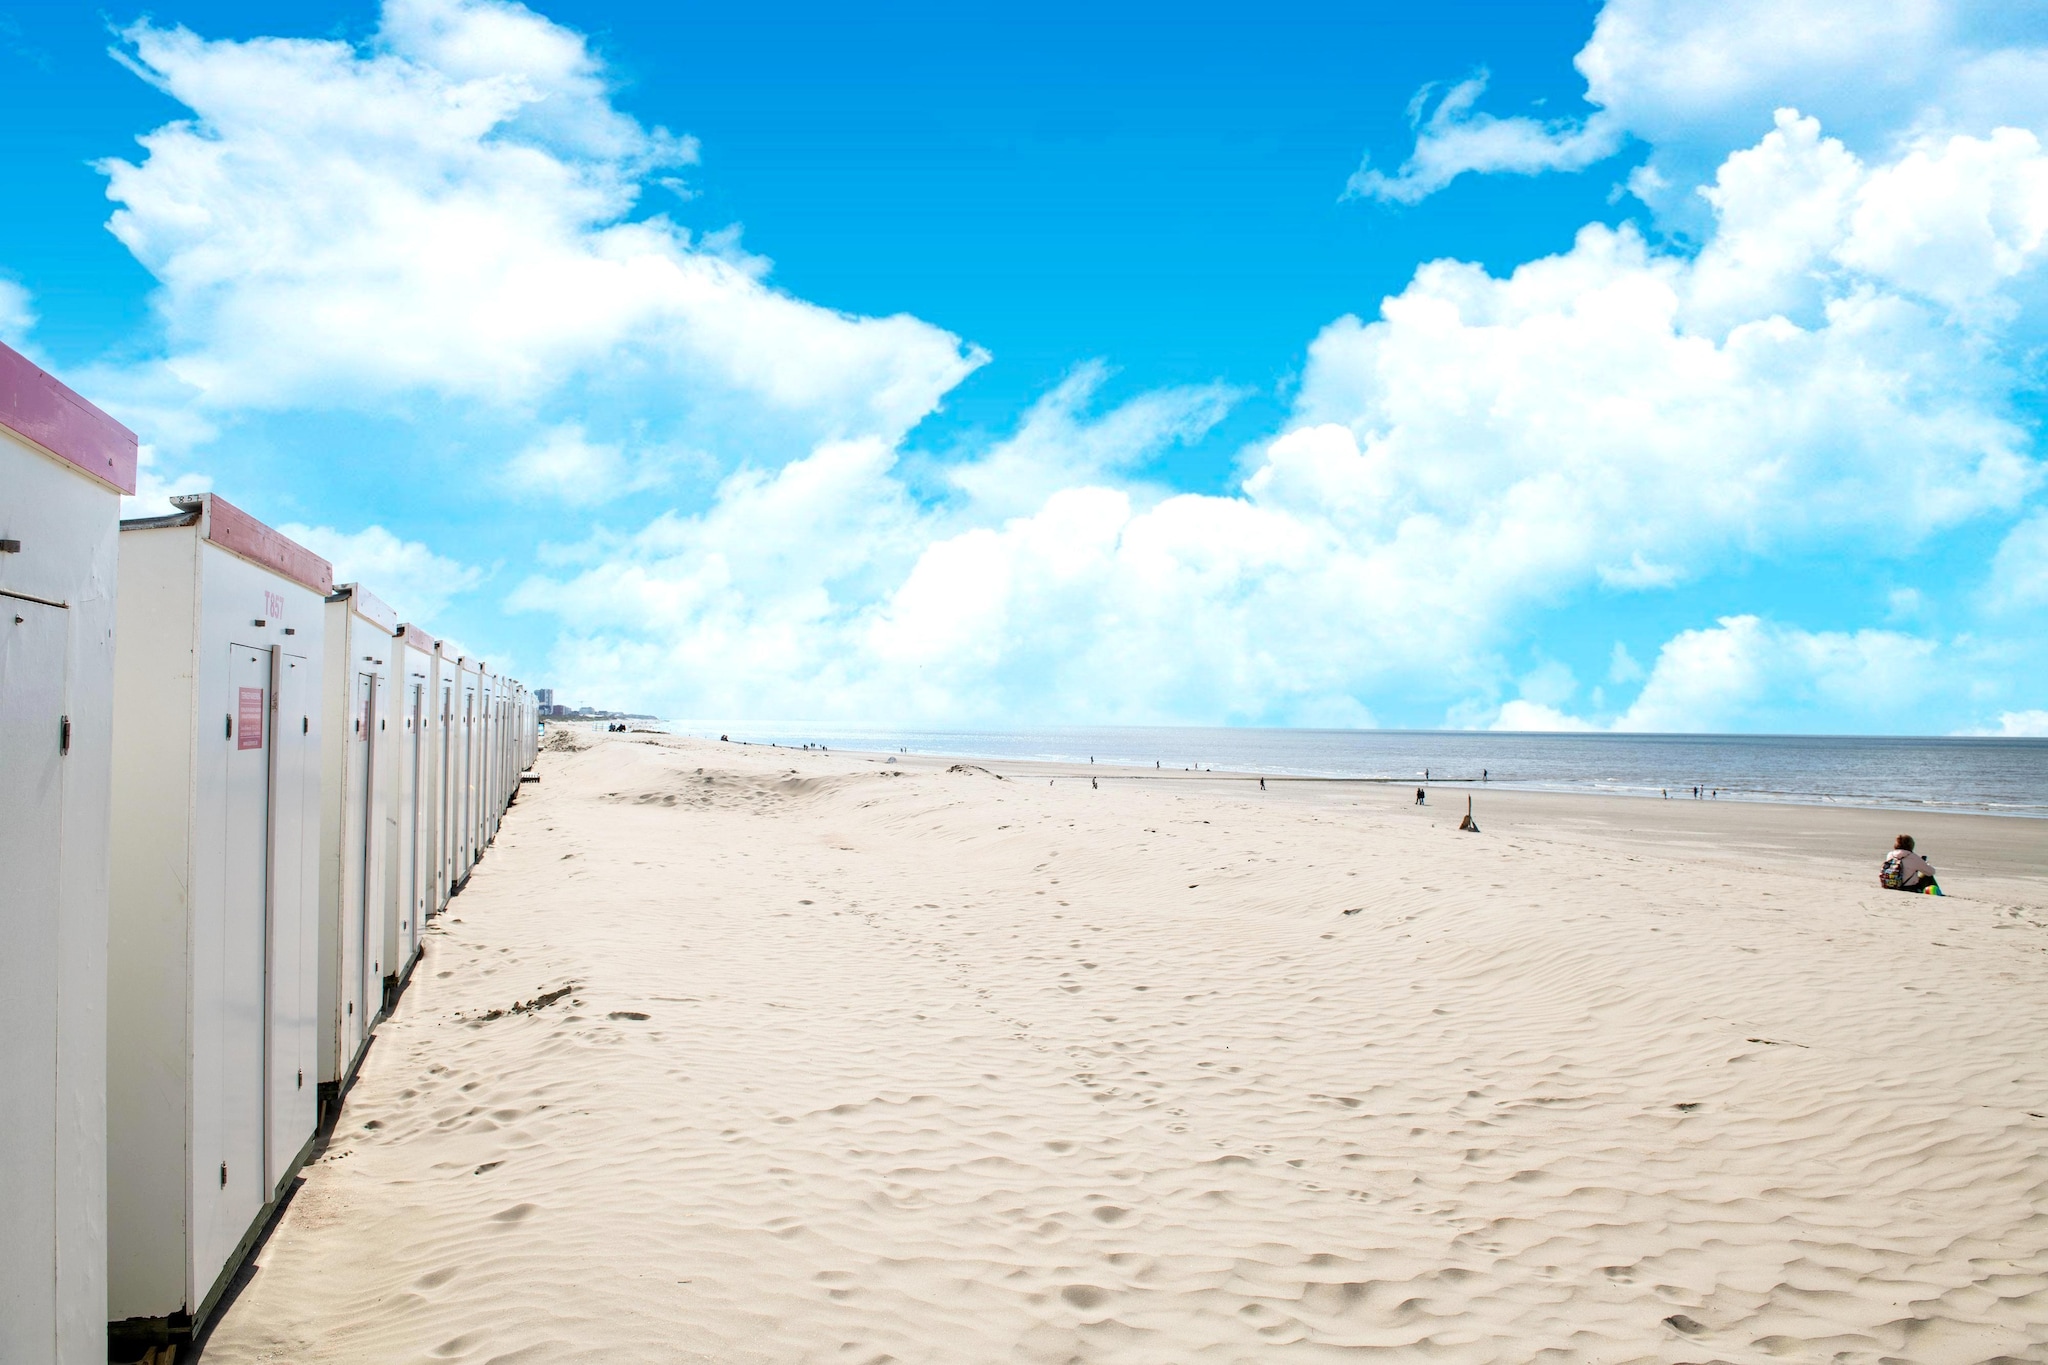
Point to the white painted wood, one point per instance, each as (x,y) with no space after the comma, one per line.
(212,909)
(57,661)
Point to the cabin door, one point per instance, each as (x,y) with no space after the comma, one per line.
(32,743)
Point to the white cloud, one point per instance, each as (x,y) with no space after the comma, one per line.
(1622,667)
(565,465)
(1453,140)
(418,583)
(2019,725)
(17,313)
(1529,716)
(1568,416)
(1696,80)
(1479,451)
(1057,446)
(154,489)
(2019,571)
(449,210)
(1747,674)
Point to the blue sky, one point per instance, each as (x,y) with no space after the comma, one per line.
(1366,366)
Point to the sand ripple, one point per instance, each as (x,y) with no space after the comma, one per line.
(932,1068)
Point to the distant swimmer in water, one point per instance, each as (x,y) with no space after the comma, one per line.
(1418,797)
(1906,870)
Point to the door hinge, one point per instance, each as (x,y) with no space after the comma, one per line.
(228,726)
(302,1080)
(223,1175)
(63,735)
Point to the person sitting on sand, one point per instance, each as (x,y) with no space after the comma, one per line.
(1906,870)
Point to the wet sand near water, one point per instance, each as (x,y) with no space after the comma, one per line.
(938,1067)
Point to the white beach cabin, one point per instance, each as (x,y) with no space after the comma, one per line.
(64,465)
(214,907)
(357,826)
(412,792)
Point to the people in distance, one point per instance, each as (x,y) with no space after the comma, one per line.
(1905,870)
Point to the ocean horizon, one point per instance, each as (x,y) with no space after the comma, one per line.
(1992,775)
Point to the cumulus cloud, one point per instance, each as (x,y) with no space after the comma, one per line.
(1693,81)
(1057,446)
(418,583)
(1573,416)
(1525,717)
(564,464)
(154,488)
(2018,725)
(17,313)
(2019,571)
(1616,418)
(1747,674)
(450,209)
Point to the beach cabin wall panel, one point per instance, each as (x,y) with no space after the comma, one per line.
(448,769)
(434,872)
(211,973)
(468,803)
(63,467)
(487,813)
(410,860)
(356,824)
(479,811)
(494,765)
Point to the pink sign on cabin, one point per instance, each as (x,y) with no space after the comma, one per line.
(249,724)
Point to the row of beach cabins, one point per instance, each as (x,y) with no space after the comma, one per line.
(232,792)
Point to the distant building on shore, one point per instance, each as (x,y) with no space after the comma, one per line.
(550,709)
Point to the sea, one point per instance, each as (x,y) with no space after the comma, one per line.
(1996,776)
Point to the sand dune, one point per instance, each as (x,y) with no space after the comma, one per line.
(942,1067)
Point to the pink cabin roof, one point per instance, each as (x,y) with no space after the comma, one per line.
(40,409)
(367,605)
(235,531)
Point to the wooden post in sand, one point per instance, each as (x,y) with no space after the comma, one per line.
(1467,824)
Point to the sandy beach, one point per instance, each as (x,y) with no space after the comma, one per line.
(739,1054)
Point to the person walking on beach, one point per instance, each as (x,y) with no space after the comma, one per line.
(1418,797)
(1906,870)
